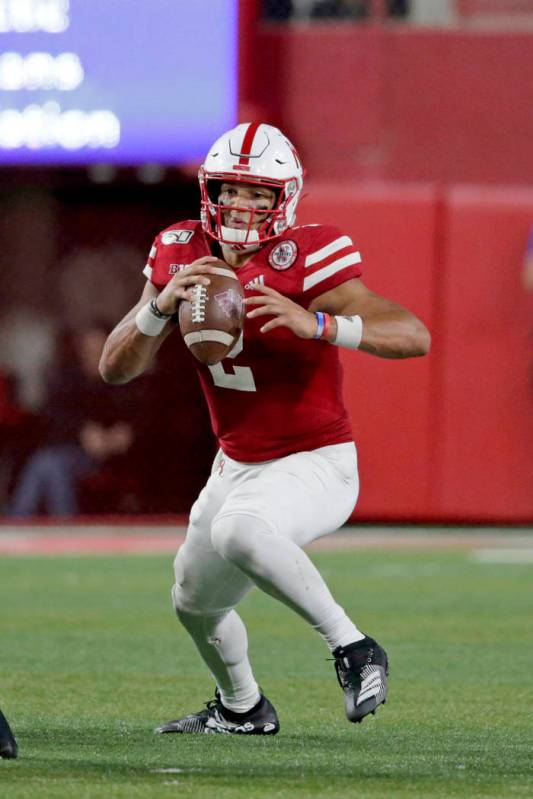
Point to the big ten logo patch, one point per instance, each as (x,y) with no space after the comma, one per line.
(173,269)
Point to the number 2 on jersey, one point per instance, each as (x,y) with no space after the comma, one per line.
(240,378)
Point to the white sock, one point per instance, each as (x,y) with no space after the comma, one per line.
(339,630)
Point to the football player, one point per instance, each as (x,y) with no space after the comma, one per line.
(286,471)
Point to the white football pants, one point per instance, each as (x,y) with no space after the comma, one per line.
(247,528)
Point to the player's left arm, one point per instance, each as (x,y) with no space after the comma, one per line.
(388,329)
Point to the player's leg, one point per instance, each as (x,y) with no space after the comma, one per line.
(261,528)
(206,590)
(265,521)
(8,744)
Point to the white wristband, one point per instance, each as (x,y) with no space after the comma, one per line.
(148,323)
(349,331)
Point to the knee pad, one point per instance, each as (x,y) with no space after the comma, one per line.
(187,598)
(183,592)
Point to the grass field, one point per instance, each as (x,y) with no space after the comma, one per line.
(92,658)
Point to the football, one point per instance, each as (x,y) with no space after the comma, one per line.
(212,321)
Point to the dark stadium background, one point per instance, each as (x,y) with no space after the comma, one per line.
(417,134)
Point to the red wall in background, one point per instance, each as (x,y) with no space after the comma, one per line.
(398,103)
(375,109)
(485,442)
(389,401)
(448,436)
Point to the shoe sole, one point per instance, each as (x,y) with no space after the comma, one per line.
(267,728)
(364,710)
(209,731)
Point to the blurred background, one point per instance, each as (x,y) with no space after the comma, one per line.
(414,119)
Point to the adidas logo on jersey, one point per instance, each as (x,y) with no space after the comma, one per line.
(257,281)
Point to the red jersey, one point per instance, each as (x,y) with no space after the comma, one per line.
(276,393)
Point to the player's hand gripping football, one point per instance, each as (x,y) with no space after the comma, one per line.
(180,287)
(286,313)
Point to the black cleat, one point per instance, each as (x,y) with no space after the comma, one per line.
(8,745)
(362,670)
(260,720)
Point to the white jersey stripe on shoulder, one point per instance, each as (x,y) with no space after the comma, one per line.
(147,271)
(329,249)
(153,252)
(331,269)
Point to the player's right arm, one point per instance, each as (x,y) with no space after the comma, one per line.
(128,352)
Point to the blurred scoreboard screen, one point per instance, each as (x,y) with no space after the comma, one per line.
(115,81)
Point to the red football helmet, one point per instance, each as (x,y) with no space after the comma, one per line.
(261,155)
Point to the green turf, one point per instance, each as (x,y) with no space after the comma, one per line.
(91,659)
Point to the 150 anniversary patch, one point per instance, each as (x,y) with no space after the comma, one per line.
(283,255)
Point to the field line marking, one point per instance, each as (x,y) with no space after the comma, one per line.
(510,556)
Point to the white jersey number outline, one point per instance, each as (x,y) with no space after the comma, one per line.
(240,378)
